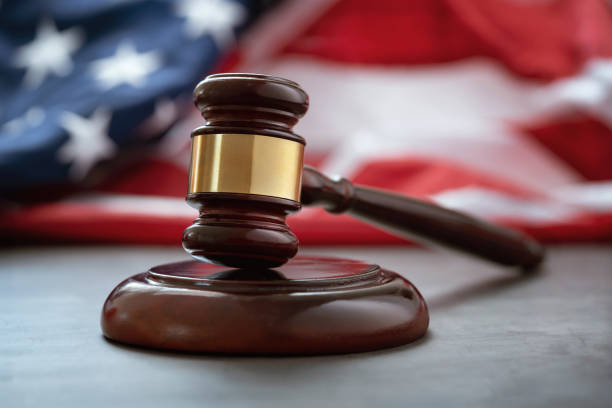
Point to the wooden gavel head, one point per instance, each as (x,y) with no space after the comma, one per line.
(247,175)
(246,169)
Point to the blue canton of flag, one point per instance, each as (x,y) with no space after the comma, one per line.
(78,77)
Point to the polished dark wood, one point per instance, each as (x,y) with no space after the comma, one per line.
(420,220)
(250,104)
(241,230)
(308,306)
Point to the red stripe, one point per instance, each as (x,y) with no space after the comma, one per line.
(422,177)
(546,40)
(579,139)
(60,222)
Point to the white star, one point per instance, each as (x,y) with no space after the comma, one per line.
(30,119)
(126,66)
(88,141)
(49,52)
(214,17)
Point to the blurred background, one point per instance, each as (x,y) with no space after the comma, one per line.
(499,108)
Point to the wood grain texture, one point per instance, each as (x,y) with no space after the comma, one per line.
(496,339)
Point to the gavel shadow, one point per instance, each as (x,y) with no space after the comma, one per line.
(481,289)
(266,372)
(189,355)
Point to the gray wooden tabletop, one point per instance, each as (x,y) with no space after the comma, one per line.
(496,339)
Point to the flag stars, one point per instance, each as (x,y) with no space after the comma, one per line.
(215,17)
(126,66)
(50,52)
(88,141)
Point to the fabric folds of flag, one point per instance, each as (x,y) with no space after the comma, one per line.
(500,109)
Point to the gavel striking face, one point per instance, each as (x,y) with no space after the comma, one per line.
(247,175)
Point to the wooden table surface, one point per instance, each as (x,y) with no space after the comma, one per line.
(496,339)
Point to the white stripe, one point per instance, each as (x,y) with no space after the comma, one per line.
(136,204)
(494,205)
(595,196)
(591,91)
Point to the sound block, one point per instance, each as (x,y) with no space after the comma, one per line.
(311,305)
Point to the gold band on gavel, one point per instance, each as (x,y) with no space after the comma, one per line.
(249,164)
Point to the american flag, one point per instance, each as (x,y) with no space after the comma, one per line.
(501,109)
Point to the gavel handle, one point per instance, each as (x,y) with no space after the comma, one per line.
(420,221)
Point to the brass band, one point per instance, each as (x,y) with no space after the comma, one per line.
(250,164)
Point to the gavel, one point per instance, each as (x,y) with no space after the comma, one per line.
(247,175)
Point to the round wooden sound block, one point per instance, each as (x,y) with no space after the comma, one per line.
(308,306)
